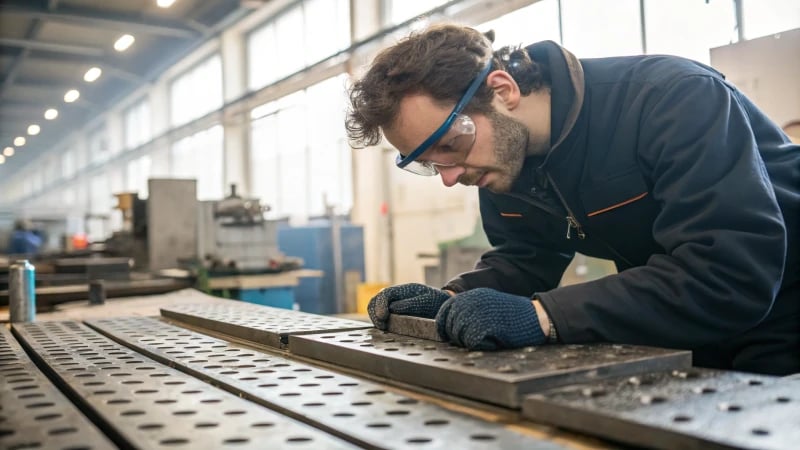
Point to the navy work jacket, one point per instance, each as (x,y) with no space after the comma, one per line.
(660,165)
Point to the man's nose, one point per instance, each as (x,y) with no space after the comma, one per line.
(450,174)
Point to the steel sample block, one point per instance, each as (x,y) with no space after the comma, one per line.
(144,404)
(33,412)
(691,409)
(362,412)
(418,327)
(502,377)
(256,323)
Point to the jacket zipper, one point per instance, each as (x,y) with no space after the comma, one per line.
(572,222)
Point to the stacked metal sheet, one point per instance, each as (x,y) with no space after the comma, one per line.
(693,408)
(33,412)
(144,404)
(362,412)
(502,377)
(262,324)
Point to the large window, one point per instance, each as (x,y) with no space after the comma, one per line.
(299,154)
(764,17)
(689,28)
(68,163)
(136,174)
(200,156)
(197,92)
(137,128)
(598,28)
(301,36)
(398,11)
(97,146)
(533,23)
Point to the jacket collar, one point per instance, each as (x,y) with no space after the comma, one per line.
(567,88)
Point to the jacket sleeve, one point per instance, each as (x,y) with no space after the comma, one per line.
(514,265)
(720,225)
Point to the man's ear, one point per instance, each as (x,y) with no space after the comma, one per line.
(505,88)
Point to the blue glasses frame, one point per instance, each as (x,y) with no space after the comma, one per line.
(433,138)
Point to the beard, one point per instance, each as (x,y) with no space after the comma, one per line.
(512,143)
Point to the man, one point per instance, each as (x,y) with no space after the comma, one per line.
(654,162)
(24,241)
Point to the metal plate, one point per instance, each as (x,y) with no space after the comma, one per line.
(418,327)
(144,404)
(256,323)
(33,412)
(497,377)
(682,409)
(360,411)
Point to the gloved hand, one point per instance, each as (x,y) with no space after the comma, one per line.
(412,299)
(486,319)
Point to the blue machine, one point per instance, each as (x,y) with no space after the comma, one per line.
(314,243)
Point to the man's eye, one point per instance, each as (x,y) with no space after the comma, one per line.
(446,147)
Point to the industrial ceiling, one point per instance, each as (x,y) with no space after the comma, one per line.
(47,46)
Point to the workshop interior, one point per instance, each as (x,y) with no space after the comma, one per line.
(189,243)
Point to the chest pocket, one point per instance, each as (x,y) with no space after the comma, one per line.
(621,211)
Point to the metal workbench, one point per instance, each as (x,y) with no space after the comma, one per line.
(186,370)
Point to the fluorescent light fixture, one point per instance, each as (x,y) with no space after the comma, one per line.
(8,151)
(51,114)
(2,159)
(71,95)
(19,141)
(124,41)
(92,74)
(164,3)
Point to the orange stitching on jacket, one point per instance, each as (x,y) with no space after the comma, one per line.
(630,200)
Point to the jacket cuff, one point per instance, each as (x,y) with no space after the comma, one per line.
(555,315)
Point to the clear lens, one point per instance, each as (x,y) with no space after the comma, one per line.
(423,168)
(451,150)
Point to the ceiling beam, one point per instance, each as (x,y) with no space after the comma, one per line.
(30,33)
(100,18)
(56,47)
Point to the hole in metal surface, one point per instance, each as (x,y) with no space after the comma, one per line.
(482,437)
(206,425)
(173,441)
(436,422)
(379,425)
(760,431)
(729,407)
(682,419)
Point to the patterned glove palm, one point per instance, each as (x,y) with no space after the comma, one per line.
(486,319)
(410,299)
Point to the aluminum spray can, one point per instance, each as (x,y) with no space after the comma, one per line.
(22,291)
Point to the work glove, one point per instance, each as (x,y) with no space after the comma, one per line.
(486,319)
(412,299)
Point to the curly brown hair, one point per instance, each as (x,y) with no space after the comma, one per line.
(440,61)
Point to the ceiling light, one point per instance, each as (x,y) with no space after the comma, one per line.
(8,151)
(51,114)
(71,95)
(2,159)
(92,74)
(34,129)
(164,3)
(19,141)
(124,41)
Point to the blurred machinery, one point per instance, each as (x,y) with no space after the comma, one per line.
(234,237)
